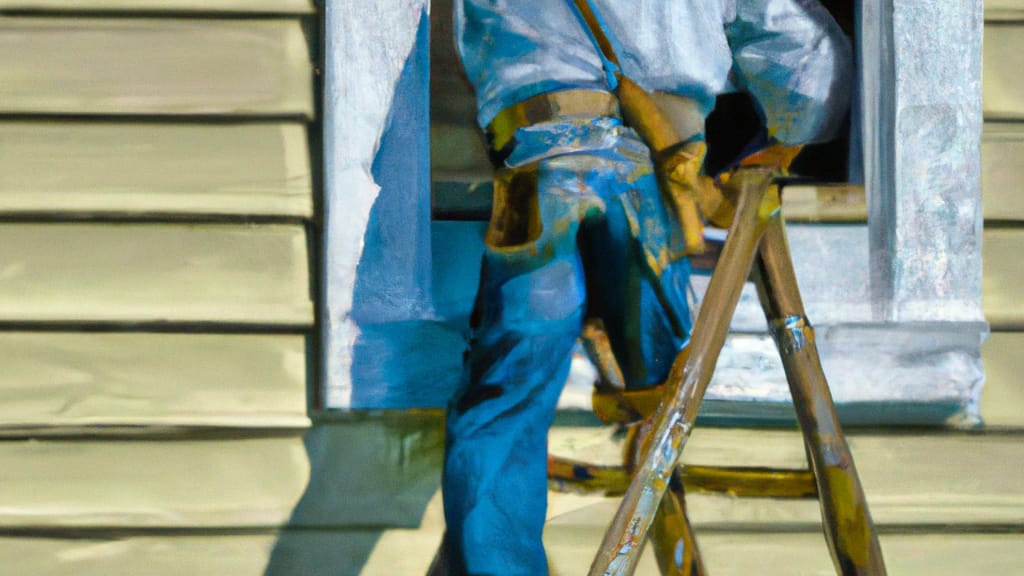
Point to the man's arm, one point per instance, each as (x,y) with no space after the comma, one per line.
(796,62)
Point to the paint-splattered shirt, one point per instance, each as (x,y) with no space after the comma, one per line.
(789,54)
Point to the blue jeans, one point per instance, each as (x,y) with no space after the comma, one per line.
(578,217)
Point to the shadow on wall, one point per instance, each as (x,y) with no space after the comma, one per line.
(406,355)
(374,472)
(369,473)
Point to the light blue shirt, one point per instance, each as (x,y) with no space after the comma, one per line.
(789,54)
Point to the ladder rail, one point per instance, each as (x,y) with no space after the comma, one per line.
(688,380)
(756,244)
(846,520)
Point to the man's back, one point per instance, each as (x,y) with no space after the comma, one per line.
(789,54)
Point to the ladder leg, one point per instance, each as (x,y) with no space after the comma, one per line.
(687,381)
(672,536)
(849,530)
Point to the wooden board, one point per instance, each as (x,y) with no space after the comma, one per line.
(826,203)
(52,381)
(1002,83)
(394,552)
(66,168)
(369,473)
(911,479)
(254,482)
(1002,398)
(767,554)
(1003,285)
(321,553)
(359,474)
(84,272)
(146,6)
(1006,10)
(1002,171)
(139,66)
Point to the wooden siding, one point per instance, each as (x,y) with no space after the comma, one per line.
(132,273)
(768,554)
(244,7)
(154,66)
(1002,81)
(157,331)
(1004,10)
(408,552)
(1003,284)
(55,381)
(60,168)
(1002,398)
(1002,171)
(258,482)
(219,504)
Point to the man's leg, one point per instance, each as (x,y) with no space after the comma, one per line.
(529,314)
(641,309)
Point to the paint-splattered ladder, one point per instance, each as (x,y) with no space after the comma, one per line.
(652,482)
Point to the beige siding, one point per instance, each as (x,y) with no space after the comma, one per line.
(185,6)
(68,168)
(1003,281)
(321,553)
(1002,398)
(742,554)
(404,552)
(257,482)
(81,272)
(51,382)
(1003,83)
(157,331)
(996,10)
(156,66)
(1002,171)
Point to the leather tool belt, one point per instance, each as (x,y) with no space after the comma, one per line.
(544,108)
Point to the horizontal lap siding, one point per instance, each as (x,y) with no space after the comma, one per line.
(126,207)
(242,7)
(1002,82)
(387,553)
(1003,284)
(54,380)
(154,66)
(159,225)
(1002,171)
(1002,401)
(138,273)
(157,198)
(741,554)
(334,475)
(1002,398)
(1004,10)
(127,169)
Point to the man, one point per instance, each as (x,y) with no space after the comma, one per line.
(578,216)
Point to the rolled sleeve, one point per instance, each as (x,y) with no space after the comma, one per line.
(796,62)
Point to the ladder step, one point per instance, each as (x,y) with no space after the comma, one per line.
(747,482)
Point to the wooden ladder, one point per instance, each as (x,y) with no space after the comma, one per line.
(652,482)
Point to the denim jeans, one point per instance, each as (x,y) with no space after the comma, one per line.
(579,217)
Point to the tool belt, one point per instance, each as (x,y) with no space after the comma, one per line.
(677,161)
(683,113)
(545,108)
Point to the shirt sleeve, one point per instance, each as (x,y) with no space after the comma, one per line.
(796,62)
